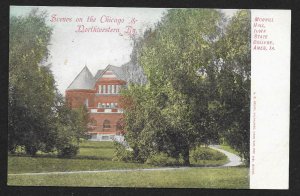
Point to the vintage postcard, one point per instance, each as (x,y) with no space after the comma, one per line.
(149,97)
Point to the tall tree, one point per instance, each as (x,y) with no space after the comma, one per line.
(38,116)
(198,84)
(172,56)
(234,79)
(31,86)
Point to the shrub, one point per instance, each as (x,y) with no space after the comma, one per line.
(31,150)
(205,153)
(162,159)
(122,154)
(68,151)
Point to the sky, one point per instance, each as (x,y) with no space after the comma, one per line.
(70,50)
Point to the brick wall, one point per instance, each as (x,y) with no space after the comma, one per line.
(77,98)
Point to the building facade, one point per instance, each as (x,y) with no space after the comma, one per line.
(101,96)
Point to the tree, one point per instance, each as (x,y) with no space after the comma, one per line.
(234,79)
(38,116)
(198,85)
(175,116)
(31,86)
(71,125)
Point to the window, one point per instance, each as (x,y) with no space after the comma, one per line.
(99,105)
(104,89)
(116,104)
(100,89)
(117,88)
(94,136)
(105,137)
(113,89)
(106,124)
(109,89)
(103,105)
(112,105)
(107,105)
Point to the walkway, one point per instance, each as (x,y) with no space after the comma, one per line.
(234,160)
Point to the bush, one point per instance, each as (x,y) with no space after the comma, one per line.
(162,159)
(205,153)
(31,150)
(68,151)
(122,154)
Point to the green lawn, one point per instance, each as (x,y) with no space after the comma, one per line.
(236,178)
(92,156)
(229,149)
(42,164)
(98,156)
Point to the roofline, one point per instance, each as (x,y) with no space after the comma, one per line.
(80,89)
(78,76)
(104,70)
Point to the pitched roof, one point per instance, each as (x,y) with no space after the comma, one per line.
(84,80)
(98,74)
(118,71)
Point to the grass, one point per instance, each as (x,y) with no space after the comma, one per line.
(92,156)
(215,158)
(42,164)
(236,178)
(98,156)
(229,149)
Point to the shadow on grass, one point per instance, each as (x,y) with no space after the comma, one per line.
(97,147)
(79,157)
(206,165)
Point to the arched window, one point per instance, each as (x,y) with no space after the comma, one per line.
(106,124)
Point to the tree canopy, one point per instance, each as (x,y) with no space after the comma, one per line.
(37,115)
(198,83)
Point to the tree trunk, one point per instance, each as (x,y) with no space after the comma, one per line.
(186,157)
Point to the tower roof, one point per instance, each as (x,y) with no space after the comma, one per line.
(84,80)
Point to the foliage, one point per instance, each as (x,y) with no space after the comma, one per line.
(30,113)
(122,154)
(234,81)
(71,125)
(68,151)
(227,148)
(38,118)
(198,85)
(205,153)
(173,114)
(91,156)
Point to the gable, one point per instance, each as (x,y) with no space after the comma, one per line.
(84,80)
(109,74)
(112,72)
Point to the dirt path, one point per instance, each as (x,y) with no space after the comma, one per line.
(234,160)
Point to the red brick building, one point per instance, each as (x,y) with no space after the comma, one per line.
(100,94)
